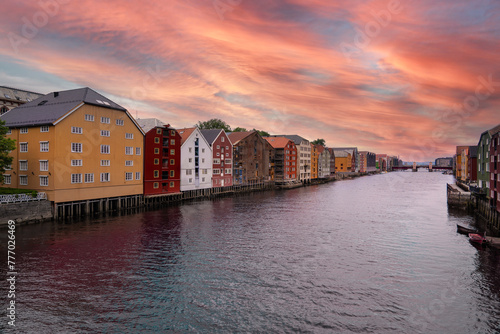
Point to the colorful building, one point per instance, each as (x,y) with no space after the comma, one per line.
(367,162)
(222,157)
(483,161)
(495,168)
(303,155)
(444,162)
(284,159)
(343,161)
(323,162)
(460,163)
(314,161)
(11,98)
(464,164)
(196,160)
(354,156)
(250,157)
(332,161)
(382,161)
(472,164)
(75,145)
(162,157)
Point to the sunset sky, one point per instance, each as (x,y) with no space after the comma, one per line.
(409,78)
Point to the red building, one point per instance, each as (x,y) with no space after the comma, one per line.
(472,164)
(284,158)
(222,148)
(162,157)
(495,170)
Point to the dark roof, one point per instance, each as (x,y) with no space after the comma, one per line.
(235,137)
(147,124)
(49,108)
(473,151)
(210,135)
(295,138)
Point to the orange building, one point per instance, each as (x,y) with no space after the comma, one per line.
(283,158)
(75,145)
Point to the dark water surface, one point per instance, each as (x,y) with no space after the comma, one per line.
(378,254)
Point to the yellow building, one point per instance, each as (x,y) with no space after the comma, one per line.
(461,163)
(314,162)
(75,145)
(343,161)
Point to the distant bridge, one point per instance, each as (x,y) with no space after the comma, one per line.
(421,166)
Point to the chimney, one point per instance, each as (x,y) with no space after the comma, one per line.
(56,94)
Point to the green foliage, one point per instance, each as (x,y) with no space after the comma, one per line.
(319,142)
(214,123)
(263,133)
(6,145)
(238,129)
(12,191)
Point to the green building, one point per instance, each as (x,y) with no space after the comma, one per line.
(483,160)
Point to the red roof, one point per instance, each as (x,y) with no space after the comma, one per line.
(277,142)
(185,133)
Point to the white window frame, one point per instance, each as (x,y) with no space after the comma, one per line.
(44,163)
(105,163)
(105,120)
(89,178)
(137,151)
(129,163)
(76,178)
(44,146)
(129,176)
(137,175)
(21,178)
(21,145)
(120,122)
(105,149)
(129,150)
(129,136)
(105,177)
(46,183)
(25,163)
(7,179)
(76,162)
(77,130)
(105,133)
(44,128)
(23,130)
(89,118)
(76,147)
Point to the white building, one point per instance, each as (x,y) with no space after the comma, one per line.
(196,160)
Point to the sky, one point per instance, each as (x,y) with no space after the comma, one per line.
(407,78)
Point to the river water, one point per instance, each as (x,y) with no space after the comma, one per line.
(377,254)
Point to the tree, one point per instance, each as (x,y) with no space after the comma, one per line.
(263,133)
(319,142)
(214,123)
(238,129)
(6,145)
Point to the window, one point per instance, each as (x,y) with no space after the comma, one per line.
(9,132)
(228,170)
(7,179)
(156,173)
(190,149)
(105,162)
(129,176)
(172,141)
(129,136)
(155,185)
(44,181)
(44,146)
(129,162)
(172,161)
(191,180)
(171,184)
(172,132)
(105,120)
(218,147)
(202,150)
(104,133)
(172,152)
(76,147)
(129,150)
(218,154)
(227,161)
(77,162)
(76,129)
(23,147)
(89,118)
(190,159)
(105,149)
(158,131)
(120,122)
(204,171)
(157,161)
(24,130)
(89,177)
(216,171)
(105,177)
(23,180)
(23,164)
(44,128)
(222,139)
(157,151)
(189,172)
(157,140)
(76,178)
(137,151)
(137,175)
(202,179)
(172,173)
(216,161)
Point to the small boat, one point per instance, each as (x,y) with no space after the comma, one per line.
(465,230)
(477,238)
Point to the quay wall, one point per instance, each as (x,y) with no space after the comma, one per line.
(23,212)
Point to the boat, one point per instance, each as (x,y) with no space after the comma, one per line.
(465,230)
(477,238)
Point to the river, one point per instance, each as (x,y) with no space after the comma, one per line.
(377,254)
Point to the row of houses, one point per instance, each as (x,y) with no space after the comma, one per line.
(78,145)
(478,165)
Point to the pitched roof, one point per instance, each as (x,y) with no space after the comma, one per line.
(185,133)
(51,107)
(473,151)
(353,149)
(235,137)
(341,154)
(494,130)
(278,142)
(150,123)
(210,134)
(16,94)
(295,138)
(320,148)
